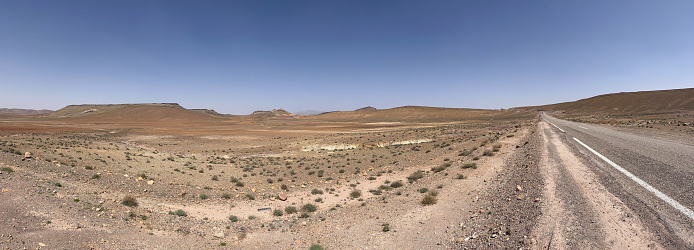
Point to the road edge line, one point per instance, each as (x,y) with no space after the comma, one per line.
(555,126)
(686,211)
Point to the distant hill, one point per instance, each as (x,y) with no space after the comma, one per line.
(6,111)
(367,108)
(418,114)
(658,101)
(273,113)
(132,113)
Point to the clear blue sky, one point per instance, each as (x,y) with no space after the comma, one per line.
(240,56)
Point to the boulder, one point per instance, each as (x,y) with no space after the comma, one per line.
(282,197)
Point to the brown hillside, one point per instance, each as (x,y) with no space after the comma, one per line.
(132,113)
(659,101)
(416,114)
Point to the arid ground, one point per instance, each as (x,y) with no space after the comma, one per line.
(145,176)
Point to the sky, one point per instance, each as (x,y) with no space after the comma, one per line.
(240,56)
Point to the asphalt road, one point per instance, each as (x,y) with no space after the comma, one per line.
(651,175)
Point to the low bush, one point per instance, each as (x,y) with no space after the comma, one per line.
(233,218)
(355,193)
(429,200)
(129,201)
(290,209)
(308,208)
(396,184)
(416,176)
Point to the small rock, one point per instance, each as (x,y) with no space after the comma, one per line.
(459,240)
(282,197)
(219,235)
(494,235)
(519,188)
(520,197)
(40,244)
(150,182)
(28,155)
(139,178)
(537,199)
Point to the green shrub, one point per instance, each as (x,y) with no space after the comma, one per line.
(250,196)
(316,191)
(469,165)
(233,218)
(423,190)
(396,184)
(96,177)
(416,176)
(488,153)
(129,201)
(180,213)
(308,208)
(290,209)
(277,212)
(226,196)
(355,193)
(316,247)
(203,196)
(386,227)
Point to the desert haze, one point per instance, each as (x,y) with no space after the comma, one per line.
(143,176)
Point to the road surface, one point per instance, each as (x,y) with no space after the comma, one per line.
(612,189)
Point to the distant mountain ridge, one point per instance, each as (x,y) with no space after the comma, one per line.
(7,111)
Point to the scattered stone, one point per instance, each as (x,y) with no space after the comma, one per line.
(139,178)
(40,243)
(519,188)
(520,197)
(219,235)
(459,240)
(27,155)
(282,197)
(150,182)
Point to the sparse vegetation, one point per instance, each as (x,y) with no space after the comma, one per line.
(355,193)
(233,218)
(129,201)
(290,209)
(308,208)
(416,176)
(396,184)
(429,200)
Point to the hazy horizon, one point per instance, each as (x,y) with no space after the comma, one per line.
(238,57)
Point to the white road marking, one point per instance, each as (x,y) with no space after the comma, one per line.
(582,127)
(686,211)
(556,126)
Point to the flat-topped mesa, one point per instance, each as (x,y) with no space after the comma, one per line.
(274,112)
